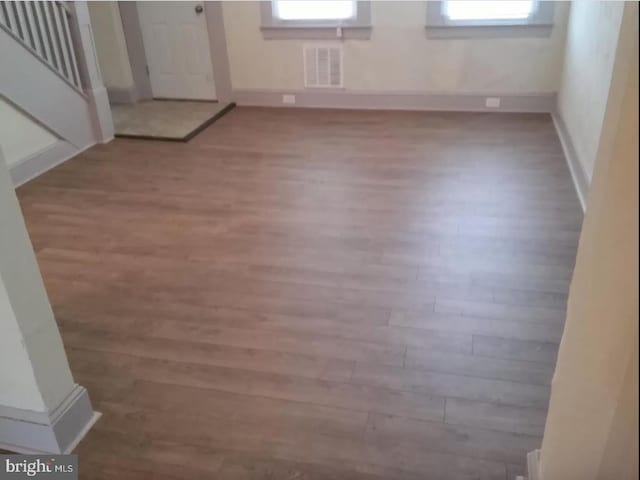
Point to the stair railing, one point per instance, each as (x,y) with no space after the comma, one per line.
(44,28)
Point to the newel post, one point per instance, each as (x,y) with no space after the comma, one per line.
(89,71)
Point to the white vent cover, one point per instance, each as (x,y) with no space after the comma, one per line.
(322,66)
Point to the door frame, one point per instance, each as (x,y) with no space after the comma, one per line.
(138,56)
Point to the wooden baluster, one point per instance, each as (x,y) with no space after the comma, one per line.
(36,40)
(12,20)
(42,30)
(3,17)
(59,34)
(70,47)
(55,50)
(22,31)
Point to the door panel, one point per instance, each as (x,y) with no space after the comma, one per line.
(176,42)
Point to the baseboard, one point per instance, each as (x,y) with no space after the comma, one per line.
(533,465)
(123,95)
(40,162)
(534,103)
(578,174)
(57,432)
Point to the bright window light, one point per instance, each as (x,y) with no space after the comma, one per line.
(493,10)
(315,9)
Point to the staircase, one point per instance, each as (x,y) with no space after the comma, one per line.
(50,75)
(43,28)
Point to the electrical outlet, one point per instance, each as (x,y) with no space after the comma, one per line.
(289,99)
(492,102)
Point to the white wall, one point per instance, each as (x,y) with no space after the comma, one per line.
(34,373)
(592,38)
(20,136)
(592,425)
(399,57)
(110,44)
(19,388)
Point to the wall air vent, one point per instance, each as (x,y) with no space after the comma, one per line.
(322,66)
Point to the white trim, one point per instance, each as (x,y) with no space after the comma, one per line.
(472,102)
(489,31)
(580,179)
(353,32)
(38,163)
(533,465)
(122,95)
(57,432)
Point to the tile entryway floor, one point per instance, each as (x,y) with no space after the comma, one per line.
(166,119)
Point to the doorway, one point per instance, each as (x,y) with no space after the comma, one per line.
(177,47)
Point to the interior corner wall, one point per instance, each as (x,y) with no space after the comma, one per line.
(20,136)
(110,44)
(592,37)
(399,57)
(591,431)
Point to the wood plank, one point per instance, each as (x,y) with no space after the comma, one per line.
(475,325)
(455,341)
(216,355)
(504,418)
(500,311)
(286,387)
(472,441)
(508,348)
(284,341)
(481,367)
(447,385)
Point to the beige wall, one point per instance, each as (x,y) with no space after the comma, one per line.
(592,425)
(591,44)
(20,136)
(110,44)
(399,57)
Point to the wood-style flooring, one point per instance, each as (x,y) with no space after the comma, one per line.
(313,294)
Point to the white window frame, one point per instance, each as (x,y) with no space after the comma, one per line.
(539,23)
(358,27)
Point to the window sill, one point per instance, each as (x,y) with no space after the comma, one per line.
(316,32)
(488,31)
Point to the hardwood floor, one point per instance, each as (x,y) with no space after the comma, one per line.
(313,294)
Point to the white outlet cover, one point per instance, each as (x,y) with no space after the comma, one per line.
(492,102)
(289,99)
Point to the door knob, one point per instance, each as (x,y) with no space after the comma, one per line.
(198,9)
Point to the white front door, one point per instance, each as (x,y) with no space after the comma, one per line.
(176,42)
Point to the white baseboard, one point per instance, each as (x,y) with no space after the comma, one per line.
(534,103)
(40,162)
(122,95)
(580,179)
(57,432)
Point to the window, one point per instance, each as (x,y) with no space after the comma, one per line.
(474,10)
(314,9)
(470,18)
(316,19)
